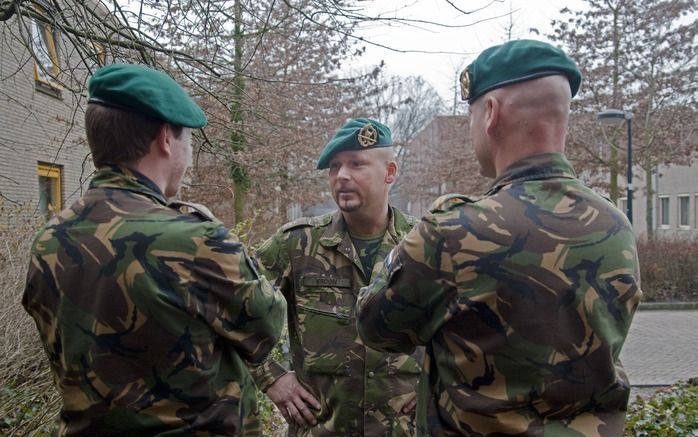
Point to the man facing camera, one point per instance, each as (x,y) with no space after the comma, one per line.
(339,386)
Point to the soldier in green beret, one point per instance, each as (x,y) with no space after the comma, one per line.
(338,386)
(523,297)
(149,311)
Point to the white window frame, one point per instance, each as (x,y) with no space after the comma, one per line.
(679,212)
(623,205)
(45,48)
(660,212)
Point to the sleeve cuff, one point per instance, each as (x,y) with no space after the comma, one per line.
(267,373)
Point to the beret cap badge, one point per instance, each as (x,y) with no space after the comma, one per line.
(465,85)
(367,136)
(356,134)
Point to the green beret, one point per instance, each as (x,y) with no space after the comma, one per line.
(516,61)
(142,89)
(356,134)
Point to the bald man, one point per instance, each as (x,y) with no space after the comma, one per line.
(524,297)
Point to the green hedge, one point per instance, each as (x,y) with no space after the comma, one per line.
(669,269)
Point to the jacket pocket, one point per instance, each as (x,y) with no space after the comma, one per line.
(327,327)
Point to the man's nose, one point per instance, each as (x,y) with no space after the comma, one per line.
(343,173)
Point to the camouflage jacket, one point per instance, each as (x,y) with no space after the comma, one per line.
(315,264)
(148,315)
(523,299)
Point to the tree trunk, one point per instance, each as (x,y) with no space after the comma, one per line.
(238,141)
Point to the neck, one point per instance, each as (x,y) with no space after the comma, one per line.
(367,224)
(516,152)
(522,136)
(152,169)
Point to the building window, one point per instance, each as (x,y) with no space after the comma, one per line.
(97,54)
(46,65)
(623,205)
(664,211)
(50,193)
(684,211)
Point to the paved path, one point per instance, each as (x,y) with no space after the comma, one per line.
(662,347)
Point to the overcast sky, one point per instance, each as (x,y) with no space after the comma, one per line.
(437,53)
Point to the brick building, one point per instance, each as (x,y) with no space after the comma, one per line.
(44,158)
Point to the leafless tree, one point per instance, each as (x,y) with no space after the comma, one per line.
(639,56)
(269,74)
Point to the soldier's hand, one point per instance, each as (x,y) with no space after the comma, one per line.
(293,400)
(410,405)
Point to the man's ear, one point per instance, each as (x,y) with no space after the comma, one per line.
(162,139)
(491,114)
(392,172)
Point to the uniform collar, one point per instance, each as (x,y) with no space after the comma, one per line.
(337,230)
(536,167)
(123,178)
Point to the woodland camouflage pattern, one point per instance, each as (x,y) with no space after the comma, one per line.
(149,315)
(523,299)
(362,391)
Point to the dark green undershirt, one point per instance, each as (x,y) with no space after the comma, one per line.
(367,248)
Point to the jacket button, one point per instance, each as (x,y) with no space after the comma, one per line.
(371,374)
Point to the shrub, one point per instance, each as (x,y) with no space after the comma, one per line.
(28,401)
(669,269)
(671,412)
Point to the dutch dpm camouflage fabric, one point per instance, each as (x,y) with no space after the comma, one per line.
(523,299)
(361,391)
(149,315)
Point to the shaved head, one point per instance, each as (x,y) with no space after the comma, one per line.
(544,101)
(385,154)
(519,120)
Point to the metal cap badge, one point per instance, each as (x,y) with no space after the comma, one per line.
(356,134)
(367,136)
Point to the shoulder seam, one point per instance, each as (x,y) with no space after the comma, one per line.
(195,209)
(447,201)
(316,221)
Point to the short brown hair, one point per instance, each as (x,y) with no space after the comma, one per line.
(117,136)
